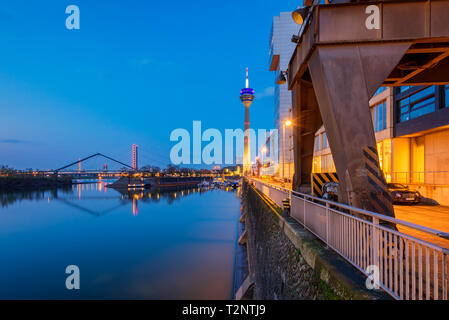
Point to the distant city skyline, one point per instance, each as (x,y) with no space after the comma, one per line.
(134,72)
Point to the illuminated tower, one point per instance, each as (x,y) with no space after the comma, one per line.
(135,157)
(247,97)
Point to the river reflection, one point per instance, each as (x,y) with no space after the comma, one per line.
(130,244)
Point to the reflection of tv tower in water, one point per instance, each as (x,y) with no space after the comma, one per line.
(247,97)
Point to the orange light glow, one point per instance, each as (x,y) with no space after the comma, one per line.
(135,209)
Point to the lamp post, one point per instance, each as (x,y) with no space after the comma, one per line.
(287,123)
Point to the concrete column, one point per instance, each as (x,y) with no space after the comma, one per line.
(344,78)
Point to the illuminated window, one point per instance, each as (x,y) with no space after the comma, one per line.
(417,104)
(277,94)
(384,152)
(316,165)
(317,143)
(327,163)
(323,163)
(379,113)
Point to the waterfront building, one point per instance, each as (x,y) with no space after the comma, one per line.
(411,125)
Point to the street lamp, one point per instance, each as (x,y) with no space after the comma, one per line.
(300,14)
(287,123)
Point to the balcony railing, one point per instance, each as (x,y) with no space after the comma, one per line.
(424,177)
(402,265)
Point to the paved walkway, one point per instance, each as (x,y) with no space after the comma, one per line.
(435,217)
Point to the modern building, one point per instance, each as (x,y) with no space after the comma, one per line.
(269,154)
(411,125)
(280,51)
(247,97)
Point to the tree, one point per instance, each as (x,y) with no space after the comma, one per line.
(155,169)
(171,169)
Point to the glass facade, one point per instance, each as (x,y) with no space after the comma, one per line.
(402,158)
(380,90)
(446,95)
(416,104)
(316,168)
(379,115)
(321,142)
(323,163)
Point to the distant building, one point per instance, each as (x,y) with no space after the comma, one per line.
(269,158)
(411,125)
(280,51)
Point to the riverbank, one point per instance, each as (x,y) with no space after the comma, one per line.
(144,245)
(31,183)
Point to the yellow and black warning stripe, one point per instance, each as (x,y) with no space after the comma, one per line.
(380,198)
(319,179)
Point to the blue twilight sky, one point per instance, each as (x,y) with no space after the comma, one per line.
(135,71)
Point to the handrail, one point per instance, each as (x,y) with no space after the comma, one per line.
(407,267)
(412,172)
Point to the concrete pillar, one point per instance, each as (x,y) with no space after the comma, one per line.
(344,78)
(306,121)
(246,143)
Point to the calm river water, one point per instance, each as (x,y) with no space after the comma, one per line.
(141,245)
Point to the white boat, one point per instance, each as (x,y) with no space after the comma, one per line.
(203,184)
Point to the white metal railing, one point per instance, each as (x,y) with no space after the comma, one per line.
(407,267)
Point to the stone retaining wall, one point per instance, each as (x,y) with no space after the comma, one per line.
(288,262)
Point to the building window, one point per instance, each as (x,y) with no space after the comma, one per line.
(324,140)
(323,163)
(327,163)
(379,114)
(404,88)
(417,104)
(446,95)
(384,152)
(316,165)
(317,143)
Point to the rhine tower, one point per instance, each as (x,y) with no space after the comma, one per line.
(247,97)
